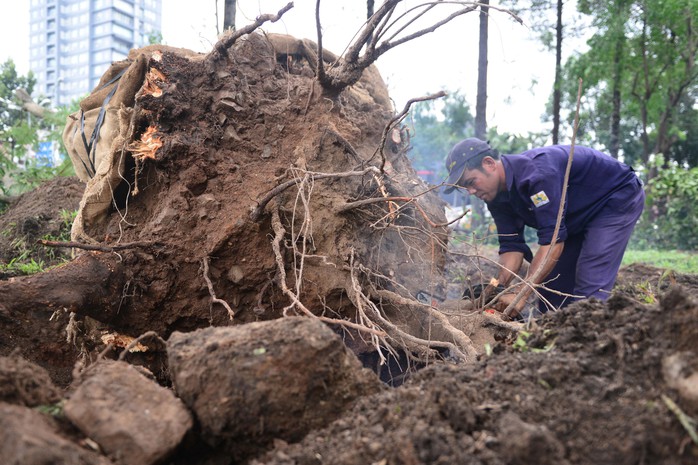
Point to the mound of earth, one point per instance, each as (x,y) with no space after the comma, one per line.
(46,212)
(593,384)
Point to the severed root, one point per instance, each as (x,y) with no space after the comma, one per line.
(211,291)
(462,341)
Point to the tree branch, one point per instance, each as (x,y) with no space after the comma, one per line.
(222,46)
(100,248)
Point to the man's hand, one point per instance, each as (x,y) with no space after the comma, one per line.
(479,290)
(505,300)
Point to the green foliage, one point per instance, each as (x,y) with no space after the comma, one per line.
(54,410)
(154,37)
(22,264)
(10,107)
(521,343)
(21,132)
(671,219)
(436,127)
(646,51)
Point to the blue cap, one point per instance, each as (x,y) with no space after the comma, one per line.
(459,156)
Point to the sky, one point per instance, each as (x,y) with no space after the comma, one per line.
(520,73)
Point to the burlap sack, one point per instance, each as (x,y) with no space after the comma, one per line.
(101,163)
(371,88)
(102,167)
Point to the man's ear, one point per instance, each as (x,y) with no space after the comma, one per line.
(489,163)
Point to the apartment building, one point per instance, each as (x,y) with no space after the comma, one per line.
(72,42)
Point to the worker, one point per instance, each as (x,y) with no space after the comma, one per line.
(603,203)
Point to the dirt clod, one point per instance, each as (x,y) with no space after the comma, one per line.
(29,437)
(25,383)
(131,418)
(251,384)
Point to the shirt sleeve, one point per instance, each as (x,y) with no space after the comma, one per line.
(510,231)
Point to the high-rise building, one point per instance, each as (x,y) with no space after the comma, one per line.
(73,42)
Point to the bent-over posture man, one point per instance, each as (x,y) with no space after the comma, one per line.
(604,201)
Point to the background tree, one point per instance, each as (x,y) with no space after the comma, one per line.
(640,89)
(229,12)
(436,127)
(481,105)
(23,124)
(15,123)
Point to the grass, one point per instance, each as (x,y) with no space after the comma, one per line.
(679,261)
(26,259)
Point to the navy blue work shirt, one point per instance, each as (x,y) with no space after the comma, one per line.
(534,187)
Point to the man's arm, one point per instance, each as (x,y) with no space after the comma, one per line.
(509,261)
(536,264)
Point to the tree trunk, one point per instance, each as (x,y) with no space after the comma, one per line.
(478,205)
(614,144)
(557,92)
(619,33)
(229,12)
(481,105)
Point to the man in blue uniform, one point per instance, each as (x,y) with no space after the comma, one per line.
(603,203)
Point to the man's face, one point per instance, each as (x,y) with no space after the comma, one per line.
(483,184)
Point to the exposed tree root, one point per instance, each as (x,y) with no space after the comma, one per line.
(462,346)
(209,284)
(279,232)
(85,286)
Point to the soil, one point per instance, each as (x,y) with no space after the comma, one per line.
(596,383)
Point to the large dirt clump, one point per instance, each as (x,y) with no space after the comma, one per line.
(587,386)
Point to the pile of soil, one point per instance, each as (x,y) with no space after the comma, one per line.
(43,213)
(585,386)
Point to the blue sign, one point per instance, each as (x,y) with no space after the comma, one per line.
(44,157)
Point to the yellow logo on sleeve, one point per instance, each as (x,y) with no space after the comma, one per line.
(540,199)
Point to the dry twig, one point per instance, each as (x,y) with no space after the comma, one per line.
(397,119)
(101,248)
